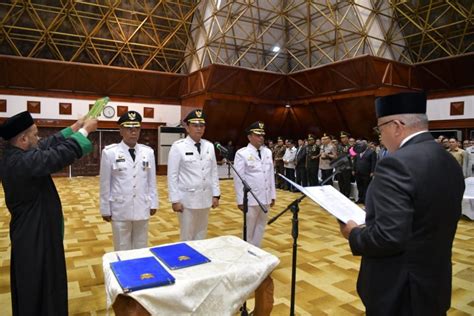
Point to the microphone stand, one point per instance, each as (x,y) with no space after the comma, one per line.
(294,207)
(247,189)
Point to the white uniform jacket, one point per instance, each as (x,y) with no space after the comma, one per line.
(127,187)
(258,173)
(192,177)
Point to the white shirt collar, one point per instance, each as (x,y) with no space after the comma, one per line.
(406,139)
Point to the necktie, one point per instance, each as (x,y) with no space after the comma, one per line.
(198,146)
(259,155)
(132,153)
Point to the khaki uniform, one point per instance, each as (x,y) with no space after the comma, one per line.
(278,153)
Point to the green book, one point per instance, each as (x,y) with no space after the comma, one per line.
(98,107)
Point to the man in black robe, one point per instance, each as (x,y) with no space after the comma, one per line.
(413,205)
(38,267)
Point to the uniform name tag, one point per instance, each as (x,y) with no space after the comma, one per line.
(189,154)
(120,160)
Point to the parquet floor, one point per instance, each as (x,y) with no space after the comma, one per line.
(326,270)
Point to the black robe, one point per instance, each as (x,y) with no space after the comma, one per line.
(413,205)
(38,266)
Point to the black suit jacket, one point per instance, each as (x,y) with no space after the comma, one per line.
(365,165)
(413,205)
(301,157)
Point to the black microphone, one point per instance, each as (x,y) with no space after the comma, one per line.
(224,151)
(340,162)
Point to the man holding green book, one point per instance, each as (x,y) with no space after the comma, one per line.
(38,267)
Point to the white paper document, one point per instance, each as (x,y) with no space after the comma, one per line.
(332,201)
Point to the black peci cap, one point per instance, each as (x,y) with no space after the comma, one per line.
(16,124)
(401,103)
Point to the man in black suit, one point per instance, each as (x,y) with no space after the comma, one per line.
(300,164)
(413,206)
(364,166)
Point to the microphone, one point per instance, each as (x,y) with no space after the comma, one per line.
(224,151)
(340,162)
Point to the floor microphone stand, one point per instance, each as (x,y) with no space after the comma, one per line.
(294,207)
(246,189)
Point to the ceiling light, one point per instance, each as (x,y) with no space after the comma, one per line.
(276,49)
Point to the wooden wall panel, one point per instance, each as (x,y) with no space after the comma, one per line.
(83,79)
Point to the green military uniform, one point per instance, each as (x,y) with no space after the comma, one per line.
(345,174)
(312,161)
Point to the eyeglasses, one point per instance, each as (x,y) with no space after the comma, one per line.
(377,128)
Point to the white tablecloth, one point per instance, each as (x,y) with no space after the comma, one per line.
(217,288)
(468,199)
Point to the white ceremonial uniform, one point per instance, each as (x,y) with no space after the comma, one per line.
(128,192)
(258,172)
(193,181)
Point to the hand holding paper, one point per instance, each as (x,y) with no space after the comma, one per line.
(332,201)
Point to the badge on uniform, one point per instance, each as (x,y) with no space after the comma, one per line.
(145,164)
(120,158)
(189,154)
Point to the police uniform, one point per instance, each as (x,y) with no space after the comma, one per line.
(128,189)
(330,153)
(312,162)
(278,153)
(257,171)
(193,181)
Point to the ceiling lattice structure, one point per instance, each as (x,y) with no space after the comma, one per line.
(283,36)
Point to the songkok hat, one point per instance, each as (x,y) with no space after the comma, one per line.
(310,137)
(130,119)
(344,134)
(195,116)
(16,124)
(256,128)
(401,103)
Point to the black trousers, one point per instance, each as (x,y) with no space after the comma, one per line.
(363,181)
(326,173)
(312,175)
(344,179)
(290,174)
(301,176)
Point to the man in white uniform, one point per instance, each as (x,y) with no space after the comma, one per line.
(128,194)
(255,164)
(193,184)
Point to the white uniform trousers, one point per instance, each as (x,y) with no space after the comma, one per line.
(130,234)
(256,223)
(193,223)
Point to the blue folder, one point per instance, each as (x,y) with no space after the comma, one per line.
(141,273)
(178,256)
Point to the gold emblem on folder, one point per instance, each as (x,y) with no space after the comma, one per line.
(146,276)
(183,258)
